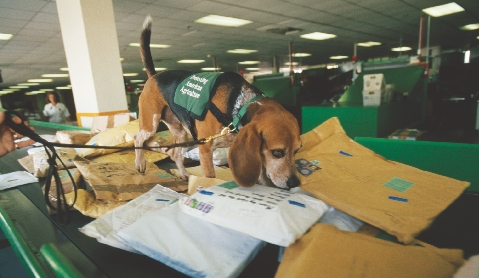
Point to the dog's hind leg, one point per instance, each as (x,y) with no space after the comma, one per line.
(180,134)
(151,105)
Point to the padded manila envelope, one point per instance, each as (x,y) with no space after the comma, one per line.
(397,198)
(270,214)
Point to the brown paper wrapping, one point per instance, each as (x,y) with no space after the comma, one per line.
(325,251)
(73,137)
(88,205)
(40,161)
(121,181)
(353,179)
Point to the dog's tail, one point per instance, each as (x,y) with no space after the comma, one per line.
(145,51)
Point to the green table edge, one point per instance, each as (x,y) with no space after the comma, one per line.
(23,252)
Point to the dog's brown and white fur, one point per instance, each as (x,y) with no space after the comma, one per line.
(261,152)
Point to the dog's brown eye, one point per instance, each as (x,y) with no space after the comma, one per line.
(277,153)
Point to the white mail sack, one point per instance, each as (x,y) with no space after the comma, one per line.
(189,245)
(271,214)
(105,228)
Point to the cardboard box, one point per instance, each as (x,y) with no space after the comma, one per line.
(102,123)
(406,134)
(374,82)
(373,98)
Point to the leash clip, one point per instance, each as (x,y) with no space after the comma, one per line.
(227,130)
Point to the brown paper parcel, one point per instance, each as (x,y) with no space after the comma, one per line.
(325,251)
(67,185)
(397,198)
(88,205)
(40,161)
(121,136)
(121,181)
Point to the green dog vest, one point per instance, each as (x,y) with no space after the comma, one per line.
(194,92)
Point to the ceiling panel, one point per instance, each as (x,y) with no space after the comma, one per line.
(37,42)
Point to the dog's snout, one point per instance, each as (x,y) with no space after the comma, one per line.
(293,182)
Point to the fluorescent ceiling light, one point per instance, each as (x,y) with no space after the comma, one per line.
(152,45)
(137,81)
(64,69)
(242,51)
(443,10)
(190,61)
(301,54)
(47,90)
(5,37)
(467,57)
(28,84)
(293,63)
(317,36)
(403,48)
(157,69)
(40,80)
(63,88)
(332,67)
(368,44)
(210,69)
(55,75)
(130,74)
(470,27)
(253,69)
(222,21)
(6,92)
(19,87)
(339,57)
(249,63)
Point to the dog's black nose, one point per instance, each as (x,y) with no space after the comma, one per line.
(293,182)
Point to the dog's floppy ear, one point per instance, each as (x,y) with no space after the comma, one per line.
(244,157)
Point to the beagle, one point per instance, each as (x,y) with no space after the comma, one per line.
(261,151)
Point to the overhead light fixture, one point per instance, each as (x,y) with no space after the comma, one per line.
(249,62)
(210,69)
(222,21)
(137,81)
(318,36)
(47,90)
(368,44)
(122,59)
(5,37)
(190,61)
(28,84)
(470,27)
(293,63)
(64,69)
(40,80)
(152,45)
(332,66)
(443,10)
(338,57)
(402,48)
(53,75)
(242,51)
(253,69)
(467,57)
(19,87)
(63,88)
(157,69)
(301,54)
(130,74)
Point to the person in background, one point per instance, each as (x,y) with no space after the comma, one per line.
(55,110)
(8,137)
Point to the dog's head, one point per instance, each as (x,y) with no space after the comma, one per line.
(264,150)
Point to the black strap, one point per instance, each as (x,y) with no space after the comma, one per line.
(220,116)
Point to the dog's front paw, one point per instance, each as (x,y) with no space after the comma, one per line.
(184,175)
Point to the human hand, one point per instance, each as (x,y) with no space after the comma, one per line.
(8,136)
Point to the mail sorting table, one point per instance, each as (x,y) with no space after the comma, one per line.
(46,247)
